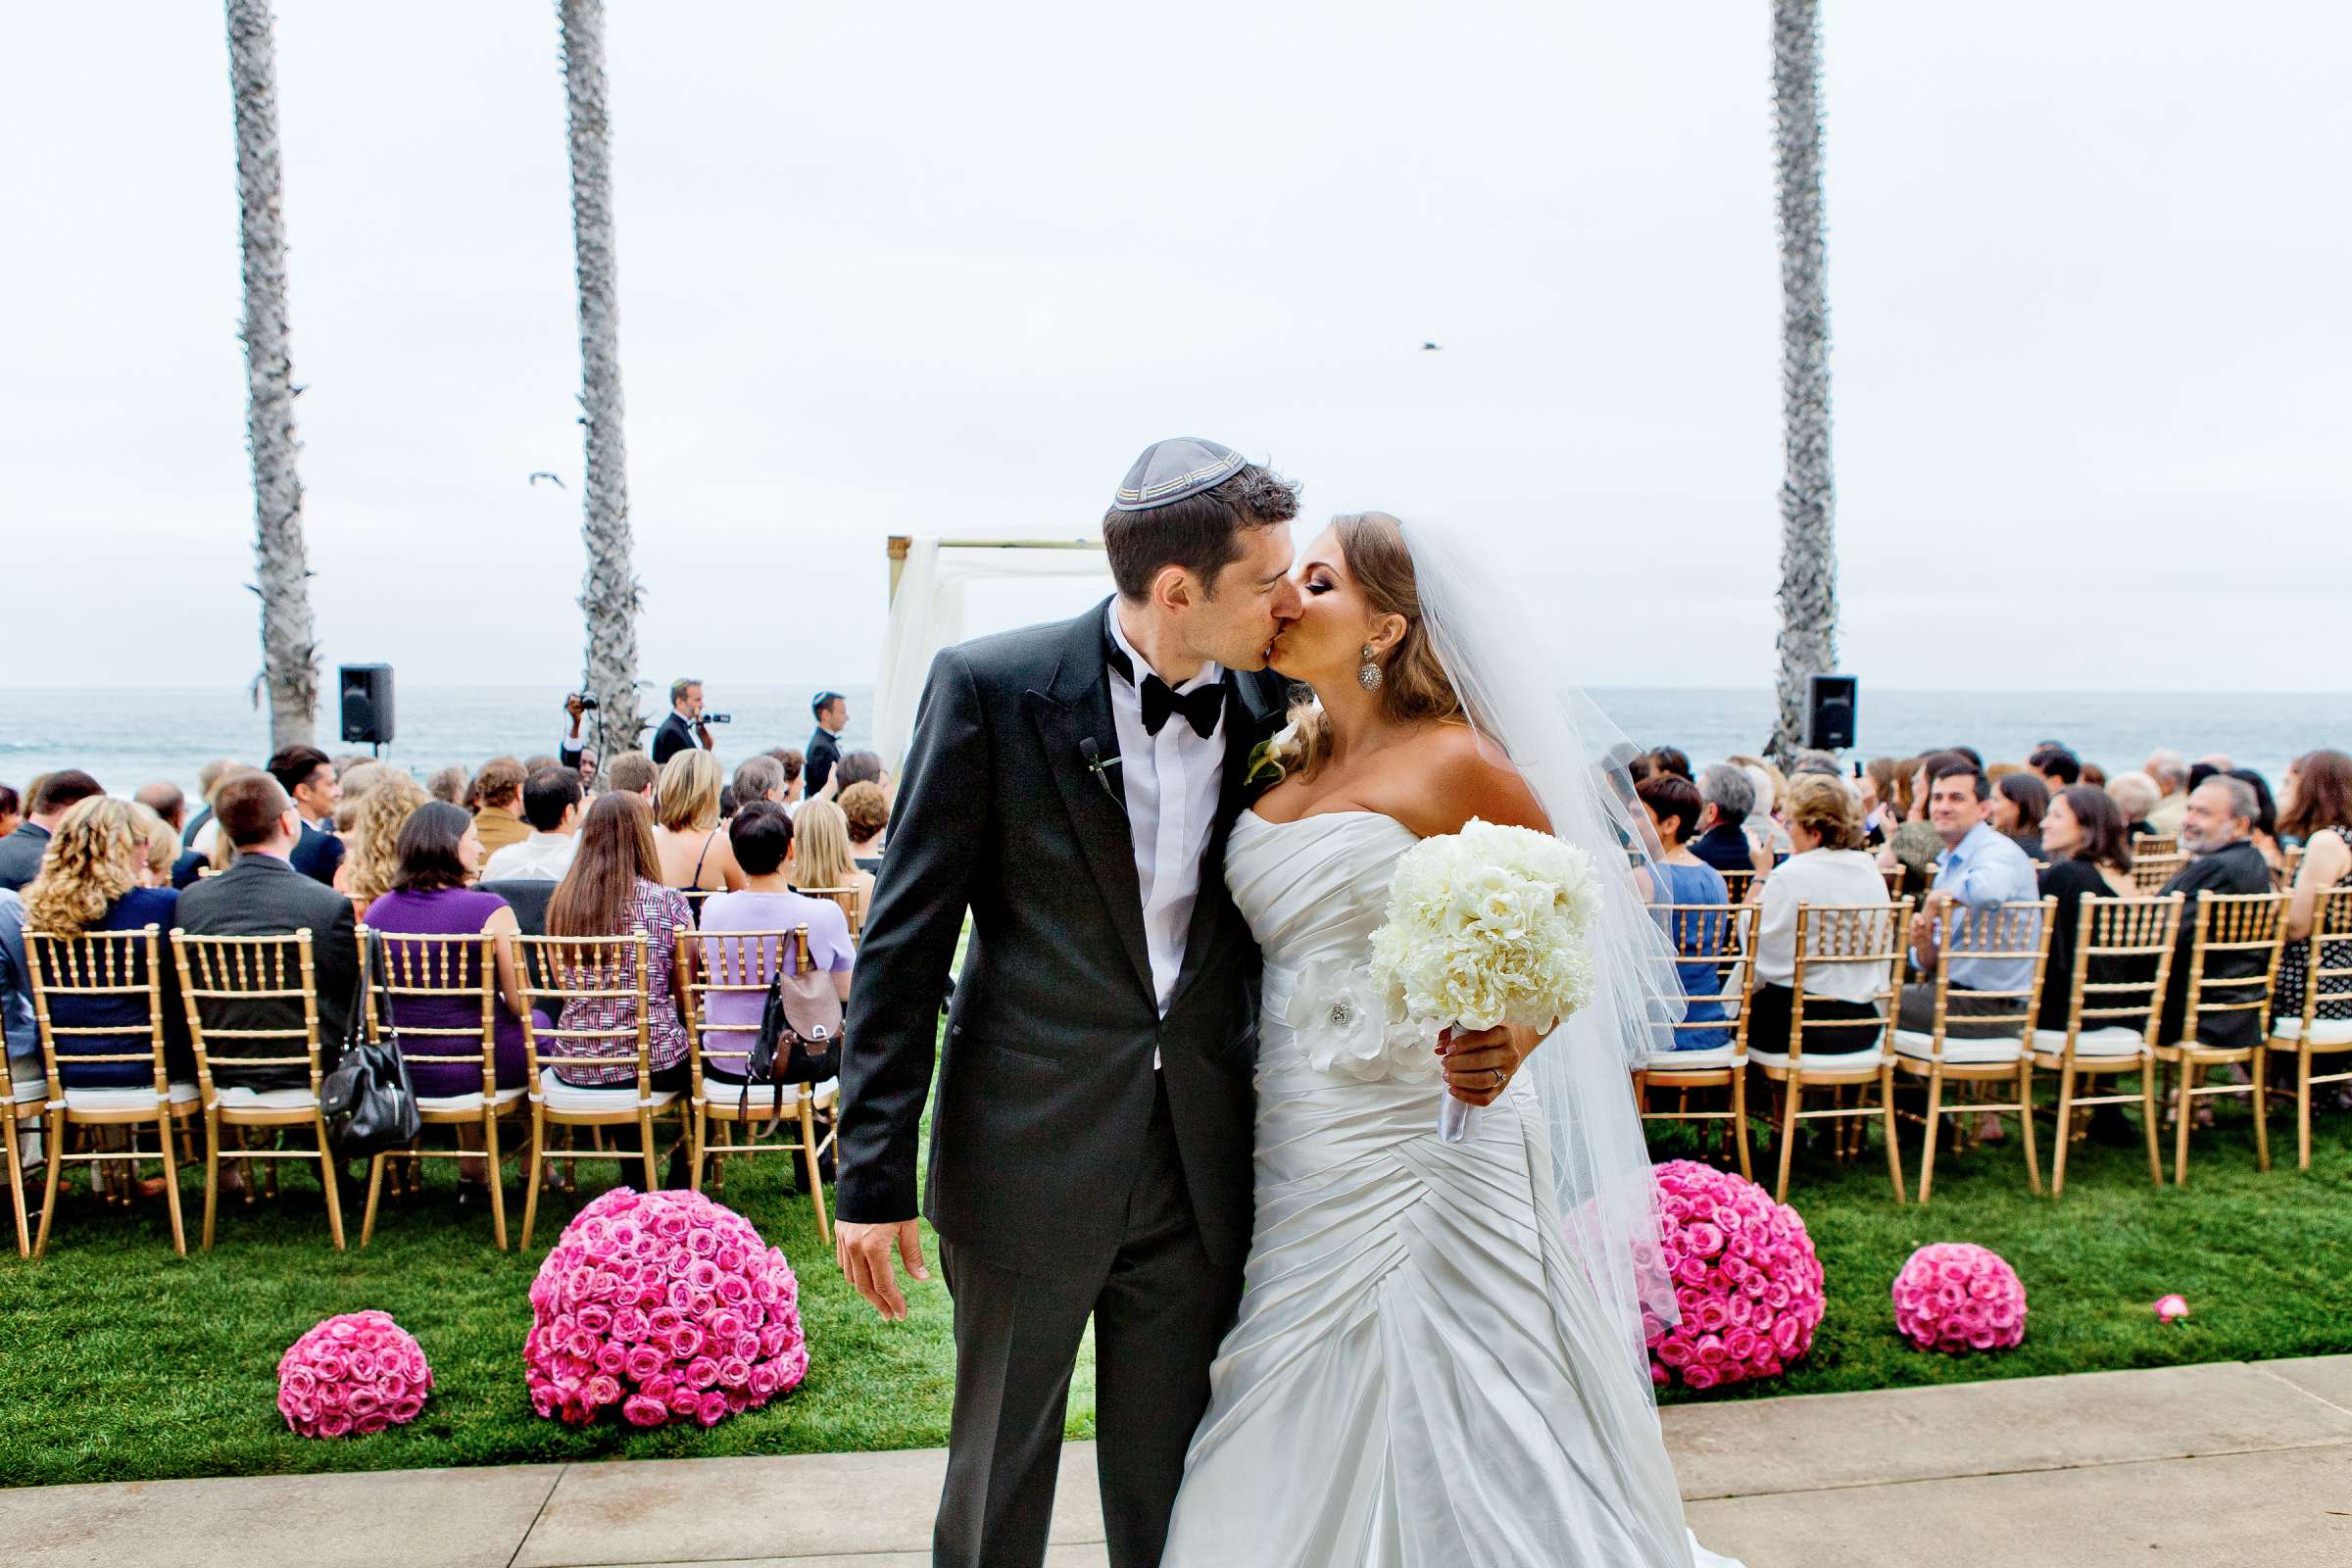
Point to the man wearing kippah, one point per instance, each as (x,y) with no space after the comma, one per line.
(1071,787)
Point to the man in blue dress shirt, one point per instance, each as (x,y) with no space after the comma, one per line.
(1978,869)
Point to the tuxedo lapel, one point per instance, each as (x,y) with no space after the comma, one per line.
(1082,756)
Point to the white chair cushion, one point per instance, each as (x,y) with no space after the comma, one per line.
(1712,1059)
(2113,1041)
(1920,1046)
(243,1099)
(472,1101)
(1821,1060)
(558,1096)
(2323,1031)
(131,1097)
(27,1091)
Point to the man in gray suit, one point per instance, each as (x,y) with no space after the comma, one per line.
(263,895)
(1071,786)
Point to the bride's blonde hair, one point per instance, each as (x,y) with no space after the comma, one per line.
(1413,687)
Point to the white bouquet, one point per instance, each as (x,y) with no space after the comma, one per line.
(1487,926)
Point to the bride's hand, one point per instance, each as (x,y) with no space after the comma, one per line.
(1480,1063)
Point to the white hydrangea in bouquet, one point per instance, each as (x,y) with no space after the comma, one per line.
(1488,926)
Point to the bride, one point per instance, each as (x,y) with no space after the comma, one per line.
(1438,1356)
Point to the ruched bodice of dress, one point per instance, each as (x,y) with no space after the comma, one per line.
(1419,1374)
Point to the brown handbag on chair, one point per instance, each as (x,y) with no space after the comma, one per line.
(800,1030)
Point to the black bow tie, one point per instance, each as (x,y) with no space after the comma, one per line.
(1200,706)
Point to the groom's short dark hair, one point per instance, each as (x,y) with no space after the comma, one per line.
(1196,533)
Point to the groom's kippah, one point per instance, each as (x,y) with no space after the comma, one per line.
(1170,470)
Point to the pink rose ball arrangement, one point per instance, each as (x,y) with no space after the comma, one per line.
(666,1306)
(1745,1279)
(355,1372)
(1957,1296)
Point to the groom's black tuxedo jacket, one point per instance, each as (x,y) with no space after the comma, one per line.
(1045,1080)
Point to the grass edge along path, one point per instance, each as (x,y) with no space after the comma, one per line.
(120,1363)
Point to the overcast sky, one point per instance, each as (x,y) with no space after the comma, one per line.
(946,269)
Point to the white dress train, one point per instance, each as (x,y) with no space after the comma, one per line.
(1420,1376)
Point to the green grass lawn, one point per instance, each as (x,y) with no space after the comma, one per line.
(118,1361)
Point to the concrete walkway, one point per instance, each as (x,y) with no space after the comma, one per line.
(2232,1465)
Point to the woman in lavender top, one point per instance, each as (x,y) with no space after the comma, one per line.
(761,837)
(436,854)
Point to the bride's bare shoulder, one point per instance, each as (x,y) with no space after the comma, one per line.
(1459,775)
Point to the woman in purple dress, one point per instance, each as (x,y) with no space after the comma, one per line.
(438,854)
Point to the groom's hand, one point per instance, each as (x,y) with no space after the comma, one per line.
(1480,1063)
(864,1251)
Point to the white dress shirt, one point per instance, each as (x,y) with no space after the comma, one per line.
(1817,876)
(1170,781)
(541,858)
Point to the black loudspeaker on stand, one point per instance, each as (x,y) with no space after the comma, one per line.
(1830,704)
(366,703)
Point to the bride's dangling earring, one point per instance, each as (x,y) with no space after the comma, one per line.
(1367,675)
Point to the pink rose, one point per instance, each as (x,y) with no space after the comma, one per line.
(373,1421)
(1675,1350)
(335,1424)
(1698,1377)
(595,1319)
(734,1372)
(641,1411)
(766,1379)
(686,1342)
(644,1362)
(734,1289)
(700,1373)
(684,1400)
(701,1243)
(611,1358)
(713,1407)
(600,1390)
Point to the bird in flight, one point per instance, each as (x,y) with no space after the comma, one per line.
(549,477)
(1428,348)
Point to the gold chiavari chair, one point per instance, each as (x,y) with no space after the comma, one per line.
(2289,862)
(2003,933)
(2252,924)
(1736,885)
(2112,1023)
(695,899)
(739,963)
(1829,937)
(2150,872)
(2154,846)
(1717,937)
(1894,880)
(27,1106)
(851,902)
(2327,963)
(256,978)
(419,976)
(96,969)
(607,974)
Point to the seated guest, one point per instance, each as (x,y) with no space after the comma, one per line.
(1727,797)
(2171,774)
(614,889)
(726,805)
(1771,787)
(208,783)
(551,804)
(11,810)
(356,781)
(1680,877)
(1881,802)
(762,838)
(1826,867)
(2135,795)
(1670,759)
(448,784)
(2017,803)
(859,768)
(2317,815)
(52,796)
(309,778)
(499,786)
(693,852)
(438,853)
(1978,871)
(632,773)
(867,809)
(2216,831)
(263,895)
(2057,767)
(759,778)
(371,840)
(2264,832)
(99,875)
(793,763)
(164,800)
(18,1026)
(2090,857)
(1913,847)
(821,853)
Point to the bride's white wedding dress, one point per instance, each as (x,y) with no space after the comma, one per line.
(1420,1376)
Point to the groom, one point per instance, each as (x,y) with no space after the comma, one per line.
(1072,785)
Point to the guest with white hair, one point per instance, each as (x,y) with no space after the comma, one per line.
(2171,774)
(1727,796)
(2217,829)
(2136,795)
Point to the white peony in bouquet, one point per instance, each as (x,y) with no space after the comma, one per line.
(1487,926)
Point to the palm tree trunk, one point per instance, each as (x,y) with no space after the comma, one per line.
(609,593)
(1808,596)
(281,564)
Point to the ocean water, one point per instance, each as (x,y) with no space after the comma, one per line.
(129,737)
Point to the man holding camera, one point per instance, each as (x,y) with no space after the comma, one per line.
(686,726)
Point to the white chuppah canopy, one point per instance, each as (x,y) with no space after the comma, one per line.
(930,607)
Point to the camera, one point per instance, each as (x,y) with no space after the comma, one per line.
(581,698)
(716,719)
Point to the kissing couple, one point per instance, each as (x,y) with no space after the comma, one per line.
(1322,1336)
